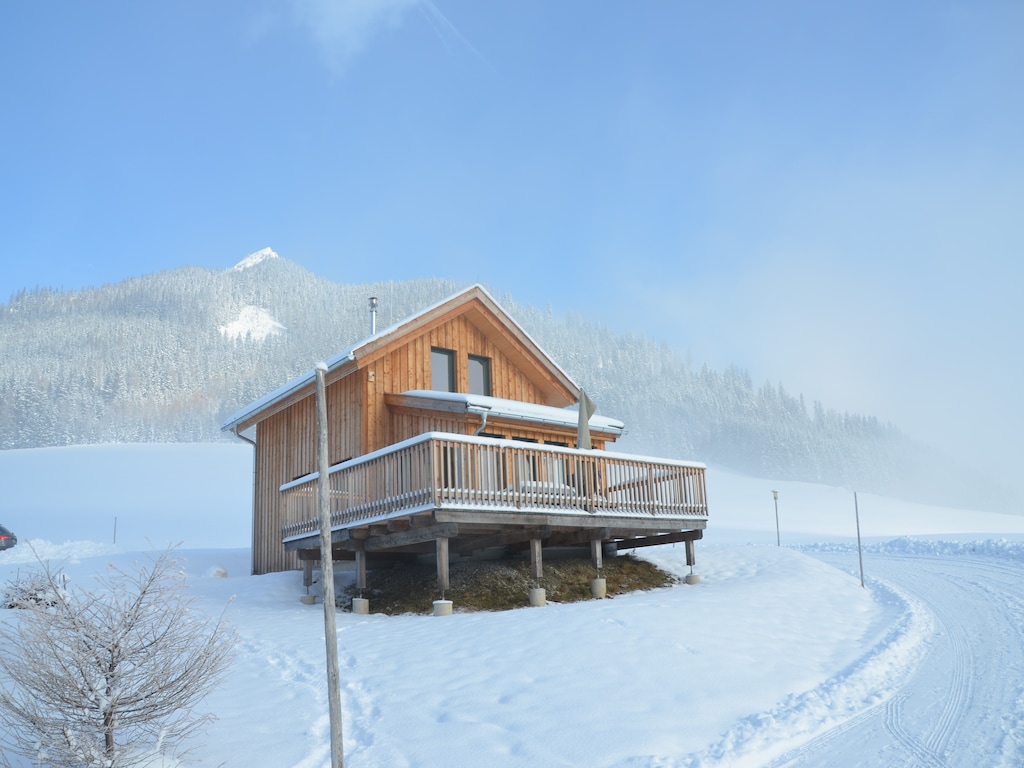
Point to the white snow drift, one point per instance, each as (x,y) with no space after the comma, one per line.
(774,651)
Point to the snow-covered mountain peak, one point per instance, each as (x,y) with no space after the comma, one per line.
(252,324)
(255,258)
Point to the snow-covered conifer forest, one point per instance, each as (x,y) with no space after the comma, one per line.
(167,356)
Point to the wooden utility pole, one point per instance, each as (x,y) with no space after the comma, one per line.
(327,571)
(860,554)
(778,539)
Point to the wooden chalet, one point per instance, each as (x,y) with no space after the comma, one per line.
(453,432)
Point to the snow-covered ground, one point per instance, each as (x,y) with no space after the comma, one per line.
(778,657)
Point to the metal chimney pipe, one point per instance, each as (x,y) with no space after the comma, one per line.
(373,315)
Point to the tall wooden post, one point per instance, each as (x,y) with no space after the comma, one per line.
(778,538)
(860,553)
(327,569)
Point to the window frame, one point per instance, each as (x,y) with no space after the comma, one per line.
(485,374)
(436,354)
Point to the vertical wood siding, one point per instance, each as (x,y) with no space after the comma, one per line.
(407,367)
(286,449)
(271,467)
(359,421)
(344,419)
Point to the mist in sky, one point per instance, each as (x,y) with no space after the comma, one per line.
(827,196)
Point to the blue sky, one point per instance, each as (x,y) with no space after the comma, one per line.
(826,194)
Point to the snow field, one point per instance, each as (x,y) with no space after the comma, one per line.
(774,655)
(610,683)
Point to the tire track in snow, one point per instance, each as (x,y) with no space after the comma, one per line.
(893,724)
(938,717)
(972,582)
(842,704)
(821,743)
(960,689)
(984,574)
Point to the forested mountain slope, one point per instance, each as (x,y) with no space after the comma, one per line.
(168,356)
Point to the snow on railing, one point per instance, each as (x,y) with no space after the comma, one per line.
(444,471)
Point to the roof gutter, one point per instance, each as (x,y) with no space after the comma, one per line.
(483,421)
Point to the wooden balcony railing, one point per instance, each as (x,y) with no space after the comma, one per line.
(444,471)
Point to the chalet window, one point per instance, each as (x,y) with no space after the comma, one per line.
(479,375)
(442,370)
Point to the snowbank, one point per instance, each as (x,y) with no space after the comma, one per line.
(772,647)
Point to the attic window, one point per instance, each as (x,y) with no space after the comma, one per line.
(442,369)
(479,375)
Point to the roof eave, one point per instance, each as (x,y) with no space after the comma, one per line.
(506,410)
(273,401)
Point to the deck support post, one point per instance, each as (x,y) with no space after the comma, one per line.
(597,553)
(307,573)
(360,570)
(691,560)
(442,564)
(536,559)
(538,595)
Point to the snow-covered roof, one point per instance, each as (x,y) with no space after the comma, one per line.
(512,409)
(281,393)
(348,356)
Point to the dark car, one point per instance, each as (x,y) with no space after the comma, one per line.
(7,539)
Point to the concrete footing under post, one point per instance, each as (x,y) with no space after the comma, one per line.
(538,597)
(442,607)
(360,605)
(692,578)
(307,599)
(599,588)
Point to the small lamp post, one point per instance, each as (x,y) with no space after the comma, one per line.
(778,541)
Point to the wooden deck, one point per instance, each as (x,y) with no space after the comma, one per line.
(484,492)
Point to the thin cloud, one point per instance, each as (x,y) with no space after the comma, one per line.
(444,28)
(342,29)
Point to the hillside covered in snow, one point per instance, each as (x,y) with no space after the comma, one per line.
(167,356)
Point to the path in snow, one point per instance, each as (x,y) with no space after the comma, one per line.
(964,704)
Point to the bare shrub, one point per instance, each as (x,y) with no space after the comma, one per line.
(104,677)
(30,589)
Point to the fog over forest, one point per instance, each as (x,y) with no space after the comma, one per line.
(168,356)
